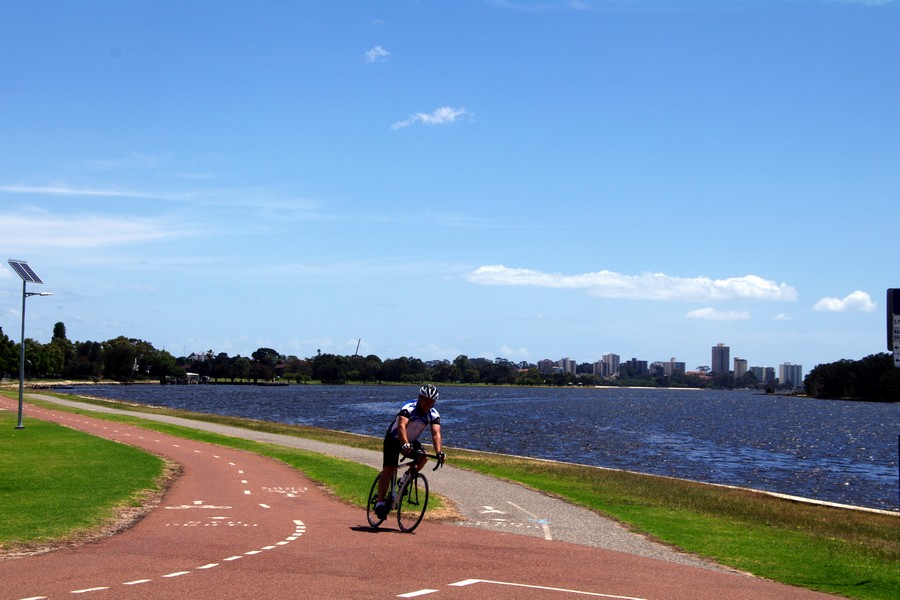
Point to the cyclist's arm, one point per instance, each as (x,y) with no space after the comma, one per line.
(436,441)
(436,437)
(401,430)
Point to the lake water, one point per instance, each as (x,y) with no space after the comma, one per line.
(843,452)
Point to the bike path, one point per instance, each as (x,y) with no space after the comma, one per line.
(239,525)
(485,502)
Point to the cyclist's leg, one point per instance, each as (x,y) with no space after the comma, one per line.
(390,460)
(384,481)
(422,460)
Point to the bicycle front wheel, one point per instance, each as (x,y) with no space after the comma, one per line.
(413,500)
(374,521)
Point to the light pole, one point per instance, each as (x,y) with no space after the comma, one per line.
(24,271)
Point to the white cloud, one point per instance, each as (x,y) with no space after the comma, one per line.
(857,301)
(782,317)
(46,231)
(712,314)
(646,286)
(63,190)
(377,54)
(441,116)
(513,354)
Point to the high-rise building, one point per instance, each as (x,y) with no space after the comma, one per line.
(791,375)
(740,367)
(567,365)
(672,366)
(546,366)
(764,374)
(721,359)
(610,364)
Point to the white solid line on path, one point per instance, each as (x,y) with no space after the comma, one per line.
(466,582)
(416,594)
(545,525)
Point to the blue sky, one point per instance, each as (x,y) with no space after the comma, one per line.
(524,180)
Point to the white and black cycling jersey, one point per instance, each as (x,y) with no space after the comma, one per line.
(417,421)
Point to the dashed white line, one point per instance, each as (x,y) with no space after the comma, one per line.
(88,590)
(137,582)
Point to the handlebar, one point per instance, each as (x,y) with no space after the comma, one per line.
(420,453)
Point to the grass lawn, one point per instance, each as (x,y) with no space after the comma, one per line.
(845,552)
(57,484)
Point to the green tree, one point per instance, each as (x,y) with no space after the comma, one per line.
(871,378)
(240,368)
(467,371)
(124,358)
(9,355)
(329,368)
(221,366)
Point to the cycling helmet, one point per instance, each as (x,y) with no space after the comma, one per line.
(429,391)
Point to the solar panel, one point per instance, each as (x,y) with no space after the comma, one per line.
(25,272)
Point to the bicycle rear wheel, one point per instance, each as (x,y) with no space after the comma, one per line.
(374,521)
(413,500)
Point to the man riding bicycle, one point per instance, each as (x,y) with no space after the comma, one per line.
(402,437)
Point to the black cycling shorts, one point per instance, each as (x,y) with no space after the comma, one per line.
(392,450)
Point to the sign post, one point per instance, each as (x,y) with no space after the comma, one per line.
(893,323)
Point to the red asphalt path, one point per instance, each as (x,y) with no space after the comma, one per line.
(238,525)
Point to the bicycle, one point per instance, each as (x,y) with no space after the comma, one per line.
(408,494)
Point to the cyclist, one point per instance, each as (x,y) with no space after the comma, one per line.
(402,437)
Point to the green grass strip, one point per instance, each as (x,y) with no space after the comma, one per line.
(58,484)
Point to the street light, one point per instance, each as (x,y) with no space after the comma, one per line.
(28,276)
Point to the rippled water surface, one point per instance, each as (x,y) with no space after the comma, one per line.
(842,452)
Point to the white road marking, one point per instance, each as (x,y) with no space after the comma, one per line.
(415,594)
(541,587)
(545,525)
(209,566)
(265,506)
(491,510)
(176,574)
(137,582)
(88,590)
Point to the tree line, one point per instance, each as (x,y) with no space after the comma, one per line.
(125,359)
(873,378)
